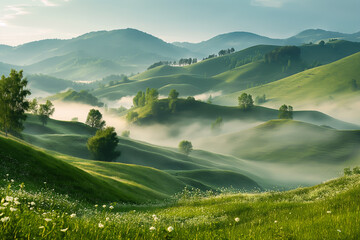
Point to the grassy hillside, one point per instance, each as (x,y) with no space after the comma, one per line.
(325,211)
(332,83)
(290,142)
(229,73)
(79,97)
(196,84)
(90,181)
(188,111)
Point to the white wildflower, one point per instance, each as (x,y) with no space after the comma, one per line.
(13,209)
(73,215)
(237,219)
(107,219)
(32,204)
(5,204)
(2,208)
(48,219)
(100,225)
(170,229)
(17,202)
(12,180)
(41,227)
(31,208)
(96,205)
(9,199)
(64,230)
(111,207)
(104,206)
(152,228)
(275,221)
(5,219)
(338,230)
(328,211)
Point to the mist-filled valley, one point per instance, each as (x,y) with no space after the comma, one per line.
(119,134)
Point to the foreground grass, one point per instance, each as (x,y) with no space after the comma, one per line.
(326,211)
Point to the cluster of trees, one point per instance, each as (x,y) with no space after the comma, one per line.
(283,54)
(160,63)
(13,102)
(349,172)
(115,79)
(144,98)
(104,144)
(82,96)
(210,56)
(286,112)
(245,101)
(260,99)
(224,52)
(187,61)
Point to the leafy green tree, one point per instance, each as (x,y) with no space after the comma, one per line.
(173,94)
(322,43)
(131,116)
(185,147)
(34,106)
(103,145)
(151,95)
(245,101)
(125,133)
(139,99)
(94,119)
(13,103)
(347,171)
(45,111)
(356,170)
(286,112)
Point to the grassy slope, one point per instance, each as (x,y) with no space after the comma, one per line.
(290,141)
(56,135)
(325,211)
(234,72)
(186,111)
(329,83)
(89,180)
(78,97)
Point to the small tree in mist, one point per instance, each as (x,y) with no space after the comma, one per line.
(45,111)
(132,116)
(125,133)
(173,95)
(185,147)
(34,106)
(103,145)
(286,112)
(215,126)
(245,101)
(94,119)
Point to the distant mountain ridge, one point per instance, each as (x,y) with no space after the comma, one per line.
(242,40)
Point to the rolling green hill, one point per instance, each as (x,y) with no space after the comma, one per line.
(333,83)
(290,142)
(56,135)
(189,111)
(229,73)
(91,181)
(79,97)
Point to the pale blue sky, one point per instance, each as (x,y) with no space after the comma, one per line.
(173,20)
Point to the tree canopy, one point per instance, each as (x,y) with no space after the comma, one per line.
(94,119)
(185,147)
(45,111)
(103,145)
(245,101)
(13,103)
(286,112)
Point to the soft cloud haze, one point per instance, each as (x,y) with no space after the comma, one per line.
(188,20)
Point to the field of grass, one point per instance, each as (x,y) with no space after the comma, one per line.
(326,211)
(336,82)
(290,142)
(84,179)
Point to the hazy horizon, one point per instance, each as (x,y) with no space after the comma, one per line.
(187,21)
